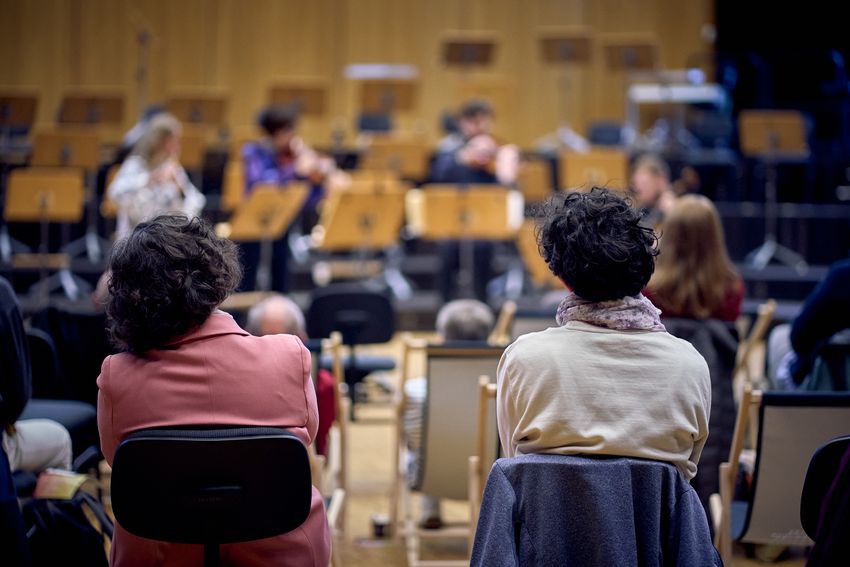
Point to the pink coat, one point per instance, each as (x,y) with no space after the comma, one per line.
(215,375)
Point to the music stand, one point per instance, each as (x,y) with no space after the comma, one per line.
(17,115)
(465,213)
(366,218)
(264,218)
(773,137)
(406,158)
(599,167)
(386,96)
(75,148)
(47,196)
(468,51)
(538,269)
(306,98)
(630,54)
(91,108)
(565,48)
(200,109)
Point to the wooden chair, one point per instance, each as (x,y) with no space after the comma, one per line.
(501,333)
(790,427)
(449,436)
(479,467)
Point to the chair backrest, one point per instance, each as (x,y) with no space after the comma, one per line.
(823,469)
(791,427)
(717,342)
(539,509)
(450,425)
(527,321)
(212,485)
(363,315)
(46,378)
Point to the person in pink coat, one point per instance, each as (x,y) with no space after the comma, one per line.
(186,363)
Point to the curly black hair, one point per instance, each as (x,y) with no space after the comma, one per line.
(278,117)
(594,243)
(166,278)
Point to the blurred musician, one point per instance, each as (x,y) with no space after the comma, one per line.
(472,154)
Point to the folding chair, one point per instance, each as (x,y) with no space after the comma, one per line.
(791,426)
(501,333)
(448,436)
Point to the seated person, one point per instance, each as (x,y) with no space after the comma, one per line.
(185,363)
(651,188)
(279,315)
(609,380)
(459,320)
(468,156)
(694,278)
(32,445)
(792,349)
(151,180)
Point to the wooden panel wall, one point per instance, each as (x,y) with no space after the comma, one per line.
(239,47)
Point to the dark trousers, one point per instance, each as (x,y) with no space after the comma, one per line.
(250,256)
(454,259)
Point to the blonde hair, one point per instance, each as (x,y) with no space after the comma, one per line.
(160,128)
(693,271)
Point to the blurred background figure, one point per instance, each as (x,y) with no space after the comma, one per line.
(651,188)
(151,180)
(694,278)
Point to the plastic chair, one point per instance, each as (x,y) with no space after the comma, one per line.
(219,486)
(363,316)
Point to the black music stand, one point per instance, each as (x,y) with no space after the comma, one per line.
(774,137)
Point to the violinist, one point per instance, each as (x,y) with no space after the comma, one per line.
(472,154)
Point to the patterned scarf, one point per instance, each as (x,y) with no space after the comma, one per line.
(635,313)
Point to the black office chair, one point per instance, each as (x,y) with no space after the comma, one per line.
(211,486)
(376,122)
(363,315)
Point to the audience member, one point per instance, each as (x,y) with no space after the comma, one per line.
(459,320)
(186,363)
(279,315)
(609,380)
(694,278)
(652,189)
(31,445)
(471,155)
(151,180)
(792,349)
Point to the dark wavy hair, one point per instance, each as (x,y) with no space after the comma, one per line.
(595,244)
(166,278)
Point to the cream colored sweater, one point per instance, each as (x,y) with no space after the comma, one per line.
(586,389)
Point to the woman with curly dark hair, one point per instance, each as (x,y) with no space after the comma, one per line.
(186,363)
(609,380)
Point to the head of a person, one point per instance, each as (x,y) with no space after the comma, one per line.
(166,279)
(465,320)
(650,179)
(595,244)
(693,268)
(278,122)
(475,118)
(276,315)
(161,139)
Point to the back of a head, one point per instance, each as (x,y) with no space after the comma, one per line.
(160,127)
(465,320)
(476,107)
(693,265)
(276,315)
(166,278)
(275,118)
(595,244)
